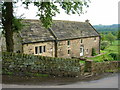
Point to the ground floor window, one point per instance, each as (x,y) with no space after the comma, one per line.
(87,51)
(44,48)
(68,51)
(36,50)
(40,49)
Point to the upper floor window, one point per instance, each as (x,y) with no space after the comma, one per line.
(68,43)
(81,40)
(81,32)
(94,38)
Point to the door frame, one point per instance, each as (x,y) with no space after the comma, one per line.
(81,53)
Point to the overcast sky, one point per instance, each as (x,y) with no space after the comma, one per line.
(103,12)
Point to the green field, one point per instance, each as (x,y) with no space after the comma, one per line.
(114,47)
(105,56)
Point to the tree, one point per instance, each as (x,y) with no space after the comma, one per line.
(102,37)
(104,44)
(118,36)
(46,10)
(7,16)
(110,37)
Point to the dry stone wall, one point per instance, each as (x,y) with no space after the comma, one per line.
(22,64)
(101,67)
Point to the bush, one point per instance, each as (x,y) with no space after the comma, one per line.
(114,56)
(93,52)
(104,44)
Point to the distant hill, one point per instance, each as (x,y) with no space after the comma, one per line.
(104,28)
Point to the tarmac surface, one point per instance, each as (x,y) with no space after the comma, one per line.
(109,81)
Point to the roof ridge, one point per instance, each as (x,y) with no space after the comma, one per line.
(55,20)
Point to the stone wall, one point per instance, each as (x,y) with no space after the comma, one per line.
(74,47)
(62,50)
(101,67)
(30,48)
(23,64)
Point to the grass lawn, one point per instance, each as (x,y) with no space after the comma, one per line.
(111,49)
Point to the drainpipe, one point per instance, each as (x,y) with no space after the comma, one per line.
(56,48)
(55,41)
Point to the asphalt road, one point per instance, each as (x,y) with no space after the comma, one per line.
(106,82)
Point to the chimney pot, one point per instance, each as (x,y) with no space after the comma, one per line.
(87,21)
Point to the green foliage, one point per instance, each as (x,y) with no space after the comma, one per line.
(104,44)
(17,24)
(93,52)
(113,48)
(108,56)
(102,58)
(102,36)
(107,28)
(47,10)
(110,38)
(114,56)
(118,36)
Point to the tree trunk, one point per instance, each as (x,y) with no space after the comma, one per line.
(8,26)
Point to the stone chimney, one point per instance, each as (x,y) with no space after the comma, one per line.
(88,21)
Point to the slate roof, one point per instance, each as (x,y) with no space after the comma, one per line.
(72,29)
(35,32)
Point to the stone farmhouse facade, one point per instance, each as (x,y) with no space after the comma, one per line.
(64,39)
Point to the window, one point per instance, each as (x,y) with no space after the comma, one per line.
(44,48)
(68,43)
(81,32)
(81,41)
(81,50)
(68,51)
(40,49)
(94,38)
(86,51)
(36,50)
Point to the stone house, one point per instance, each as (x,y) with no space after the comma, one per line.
(64,39)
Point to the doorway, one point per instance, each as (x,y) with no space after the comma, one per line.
(81,50)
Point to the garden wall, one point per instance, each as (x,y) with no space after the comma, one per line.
(23,64)
(101,67)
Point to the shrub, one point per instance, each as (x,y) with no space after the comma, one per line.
(114,55)
(94,52)
(104,44)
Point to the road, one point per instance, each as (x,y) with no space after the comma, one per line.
(106,82)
